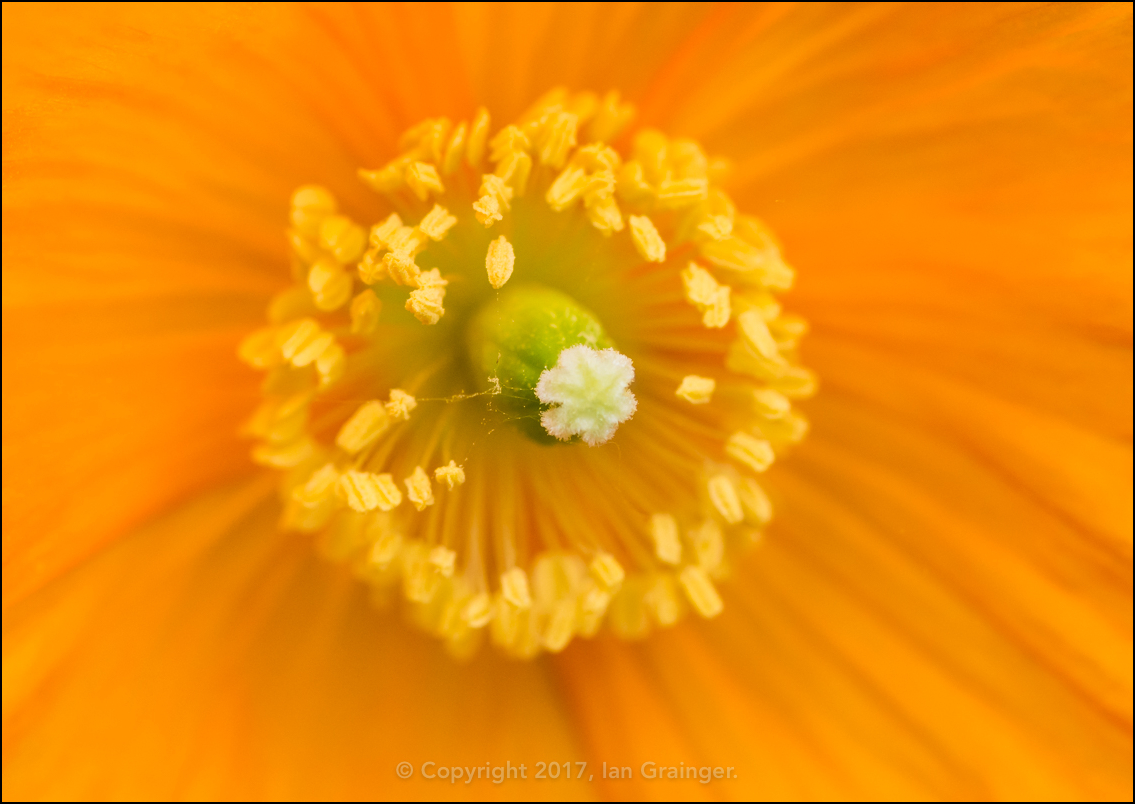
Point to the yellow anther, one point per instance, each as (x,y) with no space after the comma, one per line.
(437,222)
(514,588)
(495,186)
(583,105)
(605,216)
(600,188)
(678,193)
(596,157)
(313,350)
(371,268)
(514,169)
(419,489)
(422,178)
(431,279)
(499,261)
(284,456)
(708,544)
(487,210)
(451,474)
(331,364)
(788,330)
(754,501)
(723,496)
(420,581)
(661,600)
(508,140)
(365,309)
(754,452)
(402,268)
(610,118)
(381,234)
(478,136)
(427,304)
(664,534)
(607,571)
(330,285)
(361,430)
(387,179)
(360,490)
(755,334)
(557,137)
(696,390)
(443,559)
(310,205)
(387,545)
(632,184)
(771,268)
(704,292)
(559,626)
(425,131)
(700,591)
(454,150)
(567,187)
(400,404)
(261,349)
(770,404)
(650,151)
(551,101)
(592,606)
(796,382)
(647,242)
(289,304)
(318,487)
(295,335)
(344,238)
(305,249)
(478,611)
(409,240)
(280,421)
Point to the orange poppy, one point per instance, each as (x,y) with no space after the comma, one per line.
(942,605)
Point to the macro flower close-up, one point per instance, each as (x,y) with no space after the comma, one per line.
(527,401)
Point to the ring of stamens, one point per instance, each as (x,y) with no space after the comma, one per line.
(405,465)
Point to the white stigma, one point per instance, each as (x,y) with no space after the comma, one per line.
(587,389)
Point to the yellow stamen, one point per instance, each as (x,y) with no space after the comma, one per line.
(605,569)
(696,390)
(703,291)
(700,591)
(443,560)
(478,136)
(437,222)
(756,453)
(664,533)
(514,588)
(422,178)
(499,261)
(361,430)
(647,242)
(365,309)
(708,544)
(426,304)
(342,237)
(400,404)
(451,475)
(723,496)
(454,150)
(330,285)
(419,489)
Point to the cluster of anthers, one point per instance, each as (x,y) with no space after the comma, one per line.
(464,460)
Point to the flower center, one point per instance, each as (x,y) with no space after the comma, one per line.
(449,395)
